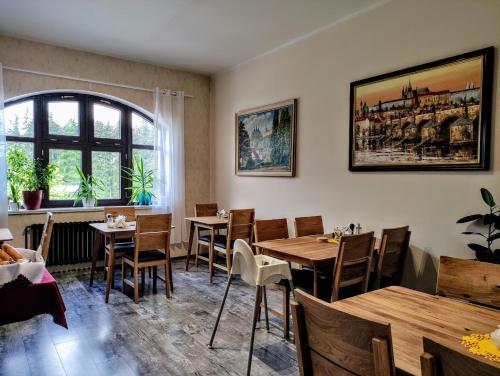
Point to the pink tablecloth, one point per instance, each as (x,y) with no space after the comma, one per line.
(22,300)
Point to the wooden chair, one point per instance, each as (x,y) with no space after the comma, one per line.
(204,210)
(122,246)
(474,281)
(152,249)
(392,255)
(46,236)
(240,226)
(353,264)
(272,229)
(305,226)
(439,360)
(332,342)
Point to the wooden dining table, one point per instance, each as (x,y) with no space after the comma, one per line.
(305,250)
(211,223)
(413,315)
(111,234)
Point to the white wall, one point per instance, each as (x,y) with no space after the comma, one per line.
(318,71)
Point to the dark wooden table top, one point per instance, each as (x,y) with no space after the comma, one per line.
(413,315)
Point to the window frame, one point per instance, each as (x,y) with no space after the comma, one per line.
(86,142)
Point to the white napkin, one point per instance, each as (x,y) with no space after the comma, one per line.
(32,270)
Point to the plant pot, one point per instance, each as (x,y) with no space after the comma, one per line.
(14,206)
(32,199)
(144,199)
(88,203)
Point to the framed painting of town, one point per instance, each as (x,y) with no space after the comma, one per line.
(265,140)
(434,116)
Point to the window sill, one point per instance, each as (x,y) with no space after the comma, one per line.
(69,210)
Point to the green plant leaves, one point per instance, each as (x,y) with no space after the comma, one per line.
(470,218)
(487,197)
(494,237)
(477,247)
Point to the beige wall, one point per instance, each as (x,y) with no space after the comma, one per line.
(42,57)
(318,71)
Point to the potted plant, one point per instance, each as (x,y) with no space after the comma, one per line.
(16,160)
(491,221)
(142,182)
(87,190)
(38,179)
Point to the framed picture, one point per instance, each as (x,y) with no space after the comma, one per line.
(435,116)
(265,140)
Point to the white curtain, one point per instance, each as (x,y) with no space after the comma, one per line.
(3,163)
(169,178)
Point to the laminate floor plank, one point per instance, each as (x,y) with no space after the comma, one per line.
(158,336)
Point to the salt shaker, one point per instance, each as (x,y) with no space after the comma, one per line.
(495,337)
(109,219)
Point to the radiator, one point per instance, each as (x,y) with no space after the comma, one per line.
(71,242)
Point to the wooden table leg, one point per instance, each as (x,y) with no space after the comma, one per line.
(211,255)
(95,254)
(315,283)
(111,265)
(190,244)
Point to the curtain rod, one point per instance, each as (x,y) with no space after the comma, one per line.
(85,80)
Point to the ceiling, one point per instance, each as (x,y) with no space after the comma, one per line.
(197,35)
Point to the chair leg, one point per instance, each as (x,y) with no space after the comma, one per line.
(211,257)
(286,312)
(143,280)
(171,276)
(105,264)
(254,324)
(149,272)
(167,281)
(266,312)
(123,274)
(197,262)
(220,312)
(136,284)
(228,262)
(155,276)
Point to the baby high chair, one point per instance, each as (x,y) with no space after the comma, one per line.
(258,271)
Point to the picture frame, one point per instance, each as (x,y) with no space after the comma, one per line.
(430,117)
(265,140)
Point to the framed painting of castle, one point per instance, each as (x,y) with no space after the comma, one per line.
(265,140)
(435,116)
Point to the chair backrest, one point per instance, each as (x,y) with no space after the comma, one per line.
(305,226)
(474,281)
(240,225)
(439,360)
(43,248)
(153,223)
(353,263)
(392,253)
(244,262)
(205,210)
(153,232)
(332,342)
(127,211)
(270,229)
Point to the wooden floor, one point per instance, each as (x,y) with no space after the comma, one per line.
(156,337)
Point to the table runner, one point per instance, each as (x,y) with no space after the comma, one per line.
(22,300)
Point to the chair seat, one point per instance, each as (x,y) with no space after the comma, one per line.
(219,240)
(146,256)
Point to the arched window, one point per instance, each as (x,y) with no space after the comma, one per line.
(97,134)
